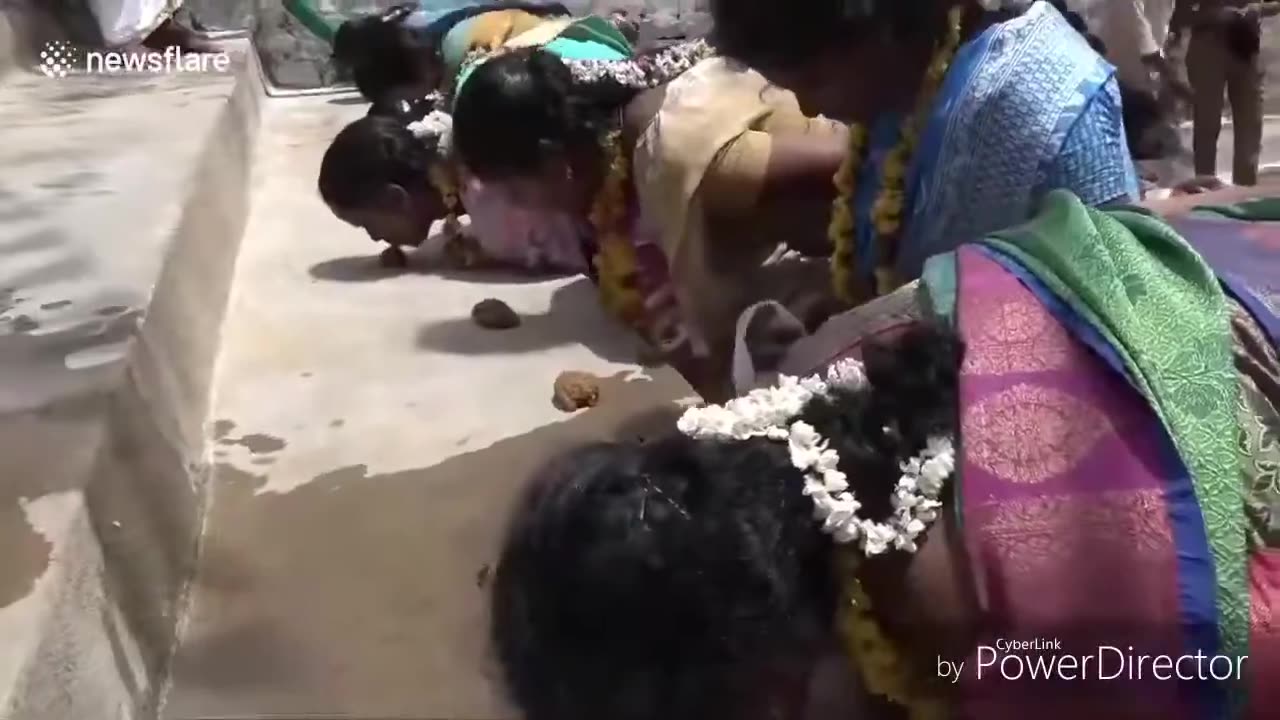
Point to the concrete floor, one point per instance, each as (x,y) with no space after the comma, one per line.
(99,176)
(365,438)
(368,439)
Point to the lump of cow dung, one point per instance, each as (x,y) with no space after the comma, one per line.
(494,315)
(575,390)
(393,258)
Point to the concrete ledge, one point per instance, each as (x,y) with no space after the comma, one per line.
(150,476)
(23,29)
(129,226)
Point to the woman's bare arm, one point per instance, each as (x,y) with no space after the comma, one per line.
(780,181)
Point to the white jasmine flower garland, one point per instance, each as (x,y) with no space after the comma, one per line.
(771,412)
(644,72)
(435,129)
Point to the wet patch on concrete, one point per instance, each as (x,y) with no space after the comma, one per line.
(256,443)
(19,212)
(98,355)
(61,270)
(222,428)
(24,324)
(26,554)
(71,181)
(401,552)
(337,423)
(34,241)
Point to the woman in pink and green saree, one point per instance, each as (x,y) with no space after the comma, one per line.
(1043,480)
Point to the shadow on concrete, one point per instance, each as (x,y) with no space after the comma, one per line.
(362,595)
(367,268)
(575,317)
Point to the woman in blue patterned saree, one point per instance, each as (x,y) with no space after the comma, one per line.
(963,117)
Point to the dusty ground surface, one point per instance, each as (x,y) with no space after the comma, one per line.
(368,439)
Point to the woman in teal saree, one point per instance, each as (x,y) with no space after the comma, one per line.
(1107,418)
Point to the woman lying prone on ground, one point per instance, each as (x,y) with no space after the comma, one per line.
(1072,437)
(690,170)
(417,48)
(391,176)
(375,175)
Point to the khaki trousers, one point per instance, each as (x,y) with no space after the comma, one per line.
(1214,72)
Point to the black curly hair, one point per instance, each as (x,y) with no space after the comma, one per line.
(665,580)
(769,32)
(777,33)
(381,53)
(375,151)
(518,109)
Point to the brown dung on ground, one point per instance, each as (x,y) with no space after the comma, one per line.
(393,258)
(494,315)
(575,390)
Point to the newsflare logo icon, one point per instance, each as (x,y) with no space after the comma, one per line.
(57,59)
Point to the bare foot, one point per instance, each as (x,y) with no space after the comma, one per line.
(173,34)
(1199,185)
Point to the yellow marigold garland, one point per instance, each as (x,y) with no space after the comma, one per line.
(456,247)
(840,230)
(615,261)
(888,208)
(884,671)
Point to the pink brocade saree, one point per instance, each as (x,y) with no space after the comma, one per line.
(537,241)
(1063,501)
(1079,516)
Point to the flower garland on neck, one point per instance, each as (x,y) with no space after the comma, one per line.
(435,131)
(615,260)
(644,72)
(916,502)
(888,208)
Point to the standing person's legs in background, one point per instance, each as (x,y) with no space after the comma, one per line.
(1207,72)
(124,23)
(172,33)
(1244,90)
